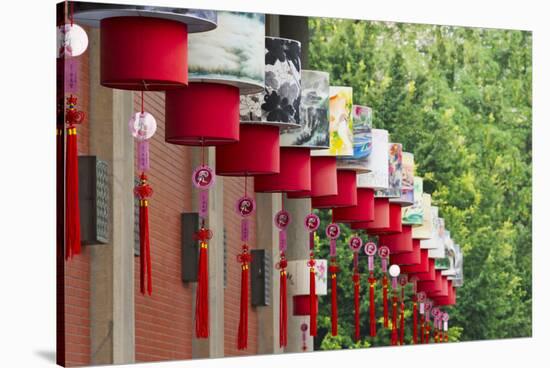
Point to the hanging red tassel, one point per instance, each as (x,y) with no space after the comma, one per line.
(372,307)
(394,321)
(333,269)
(283,317)
(422,328)
(72,208)
(242,339)
(356,284)
(427,333)
(402,324)
(143,192)
(385,299)
(415,322)
(201,306)
(312,298)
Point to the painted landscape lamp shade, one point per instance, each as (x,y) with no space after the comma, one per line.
(223,64)
(377,163)
(144,49)
(424,231)
(340,123)
(262,114)
(362,140)
(407,181)
(395,172)
(414,215)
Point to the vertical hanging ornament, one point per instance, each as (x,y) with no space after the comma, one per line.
(245,208)
(311,223)
(370,251)
(421,298)
(394,273)
(142,127)
(403,281)
(203,178)
(427,327)
(435,314)
(333,232)
(384,254)
(355,244)
(303,328)
(72,209)
(445,319)
(282,220)
(413,280)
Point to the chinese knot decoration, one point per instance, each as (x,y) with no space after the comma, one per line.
(333,232)
(282,221)
(355,244)
(311,224)
(384,254)
(370,251)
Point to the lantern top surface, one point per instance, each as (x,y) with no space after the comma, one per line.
(197,20)
(232,54)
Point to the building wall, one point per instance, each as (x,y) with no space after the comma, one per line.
(77,269)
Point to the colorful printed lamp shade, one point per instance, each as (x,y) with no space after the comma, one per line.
(223,64)
(144,48)
(451,256)
(432,241)
(362,140)
(441,237)
(395,172)
(444,262)
(424,231)
(340,123)
(314,113)
(279,103)
(407,181)
(377,163)
(414,215)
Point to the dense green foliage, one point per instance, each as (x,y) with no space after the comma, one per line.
(460,100)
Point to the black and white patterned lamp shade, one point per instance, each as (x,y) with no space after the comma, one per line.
(279,103)
(314,113)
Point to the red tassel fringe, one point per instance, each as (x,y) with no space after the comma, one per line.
(333,269)
(415,323)
(144,248)
(242,338)
(356,284)
(72,211)
(312,303)
(385,299)
(372,307)
(427,333)
(283,317)
(422,328)
(394,322)
(402,324)
(201,305)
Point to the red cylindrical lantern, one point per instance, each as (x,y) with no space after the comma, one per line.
(450,299)
(143,53)
(347,192)
(301,304)
(422,267)
(408,258)
(323,179)
(294,175)
(256,153)
(444,289)
(430,286)
(428,275)
(362,212)
(387,218)
(398,242)
(203,114)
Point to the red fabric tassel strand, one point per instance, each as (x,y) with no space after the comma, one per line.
(333,269)
(356,284)
(244,258)
(415,323)
(143,192)
(201,306)
(427,333)
(385,299)
(283,316)
(72,208)
(402,324)
(394,337)
(372,307)
(312,298)
(422,328)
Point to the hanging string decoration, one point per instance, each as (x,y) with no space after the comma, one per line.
(403,280)
(370,251)
(303,328)
(427,327)
(436,316)
(384,254)
(333,232)
(245,208)
(421,298)
(282,221)
(311,223)
(73,117)
(355,244)
(394,273)
(142,127)
(203,178)
(413,280)
(445,319)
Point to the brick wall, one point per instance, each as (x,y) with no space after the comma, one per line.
(163,320)
(77,270)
